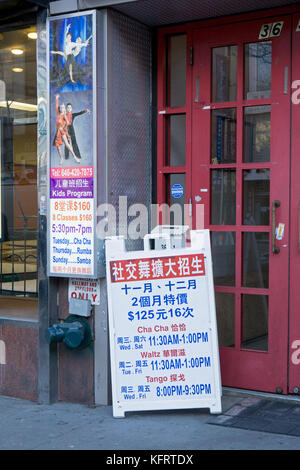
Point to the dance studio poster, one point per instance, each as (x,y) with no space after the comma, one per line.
(71,144)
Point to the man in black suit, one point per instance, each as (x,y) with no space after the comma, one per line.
(71,116)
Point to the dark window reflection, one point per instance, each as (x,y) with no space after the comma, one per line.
(175,140)
(176,79)
(256,259)
(224,73)
(223,184)
(258,63)
(256,197)
(255,322)
(257,131)
(223,254)
(223,136)
(225,309)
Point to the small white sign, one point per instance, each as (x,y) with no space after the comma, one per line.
(2,352)
(163,331)
(271,30)
(276,29)
(85,289)
(265,31)
(280,231)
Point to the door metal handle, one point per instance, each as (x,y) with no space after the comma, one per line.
(286,80)
(197,89)
(275,249)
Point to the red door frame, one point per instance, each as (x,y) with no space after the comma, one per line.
(280,263)
(294,323)
(258,370)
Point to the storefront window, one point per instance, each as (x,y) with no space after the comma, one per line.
(18,127)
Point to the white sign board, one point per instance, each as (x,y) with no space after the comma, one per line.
(163,332)
(85,289)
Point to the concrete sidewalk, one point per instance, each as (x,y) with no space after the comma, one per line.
(62,426)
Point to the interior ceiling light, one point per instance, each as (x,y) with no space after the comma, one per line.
(21,106)
(17,69)
(32,35)
(17,51)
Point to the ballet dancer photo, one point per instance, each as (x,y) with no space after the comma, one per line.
(70,54)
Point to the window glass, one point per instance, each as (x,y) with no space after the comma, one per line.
(176,140)
(255,322)
(175,197)
(225,310)
(256,259)
(224,73)
(18,127)
(257,132)
(258,63)
(223,197)
(176,70)
(256,196)
(223,136)
(223,255)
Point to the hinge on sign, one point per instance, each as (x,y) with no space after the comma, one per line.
(191,55)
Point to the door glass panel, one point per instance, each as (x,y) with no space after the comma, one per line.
(255,322)
(258,62)
(175,187)
(256,259)
(225,310)
(257,127)
(223,136)
(223,194)
(176,70)
(223,255)
(175,138)
(224,73)
(256,197)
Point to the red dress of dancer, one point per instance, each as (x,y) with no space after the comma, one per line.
(62,124)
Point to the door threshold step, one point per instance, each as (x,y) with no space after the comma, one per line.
(272,396)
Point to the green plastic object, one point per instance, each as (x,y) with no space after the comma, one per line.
(87,339)
(75,332)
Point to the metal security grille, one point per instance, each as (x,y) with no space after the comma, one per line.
(18,268)
(129,116)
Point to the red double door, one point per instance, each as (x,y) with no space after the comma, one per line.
(232,144)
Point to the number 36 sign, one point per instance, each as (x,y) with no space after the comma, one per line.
(270,30)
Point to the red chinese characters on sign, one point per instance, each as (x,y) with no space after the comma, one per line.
(157,268)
